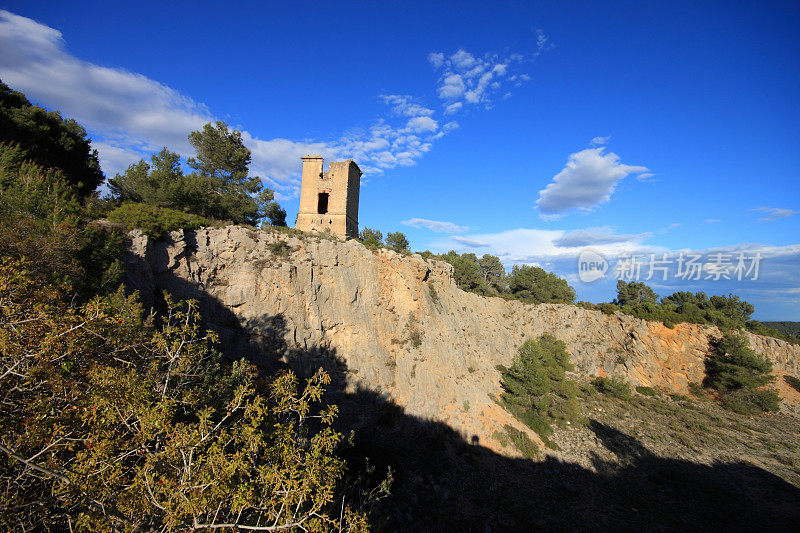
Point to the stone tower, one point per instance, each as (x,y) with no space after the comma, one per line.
(329,200)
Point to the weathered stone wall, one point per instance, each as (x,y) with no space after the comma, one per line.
(366,308)
(341,183)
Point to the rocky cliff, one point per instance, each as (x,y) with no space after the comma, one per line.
(398,325)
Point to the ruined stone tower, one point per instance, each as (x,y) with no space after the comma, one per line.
(329,200)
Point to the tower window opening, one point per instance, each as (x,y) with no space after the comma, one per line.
(322,203)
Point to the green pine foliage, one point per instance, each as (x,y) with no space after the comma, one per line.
(371,238)
(535,285)
(43,220)
(220,188)
(154,221)
(398,242)
(739,375)
(49,141)
(487,276)
(615,387)
(726,312)
(792,381)
(535,388)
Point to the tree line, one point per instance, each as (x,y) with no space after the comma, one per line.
(729,312)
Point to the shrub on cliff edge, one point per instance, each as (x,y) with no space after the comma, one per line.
(154,221)
(734,369)
(535,387)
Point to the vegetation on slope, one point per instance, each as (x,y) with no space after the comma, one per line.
(726,312)
(121,425)
(535,388)
(114,419)
(537,392)
(739,375)
(784,327)
(154,221)
(49,141)
(220,188)
(487,276)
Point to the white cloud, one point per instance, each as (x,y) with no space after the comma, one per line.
(33,60)
(553,250)
(130,116)
(434,225)
(542,42)
(453,108)
(525,245)
(470,243)
(597,236)
(422,124)
(436,59)
(599,141)
(712,221)
(469,79)
(405,105)
(452,87)
(587,180)
(775,213)
(463,60)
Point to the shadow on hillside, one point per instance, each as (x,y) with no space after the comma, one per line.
(443,482)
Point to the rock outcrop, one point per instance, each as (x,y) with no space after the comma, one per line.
(399,326)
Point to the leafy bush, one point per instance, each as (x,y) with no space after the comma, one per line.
(733,365)
(121,426)
(608,309)
(785,333)
(634,292)
(535,387)
(726,312)
(154,221)
(614,386)
(487,276)
(466,271)
(734,369)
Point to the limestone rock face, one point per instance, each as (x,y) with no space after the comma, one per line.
(399,326)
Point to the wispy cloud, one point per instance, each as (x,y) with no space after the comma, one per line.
(600,141)
(434,225)
(597,236)
(775,213)
(470,243)
(588,180)
(467,79)
(528,245)
(405,105)
(130,116)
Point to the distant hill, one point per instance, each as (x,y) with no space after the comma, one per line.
(789,328)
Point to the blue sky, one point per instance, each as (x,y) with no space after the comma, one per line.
(531,130)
